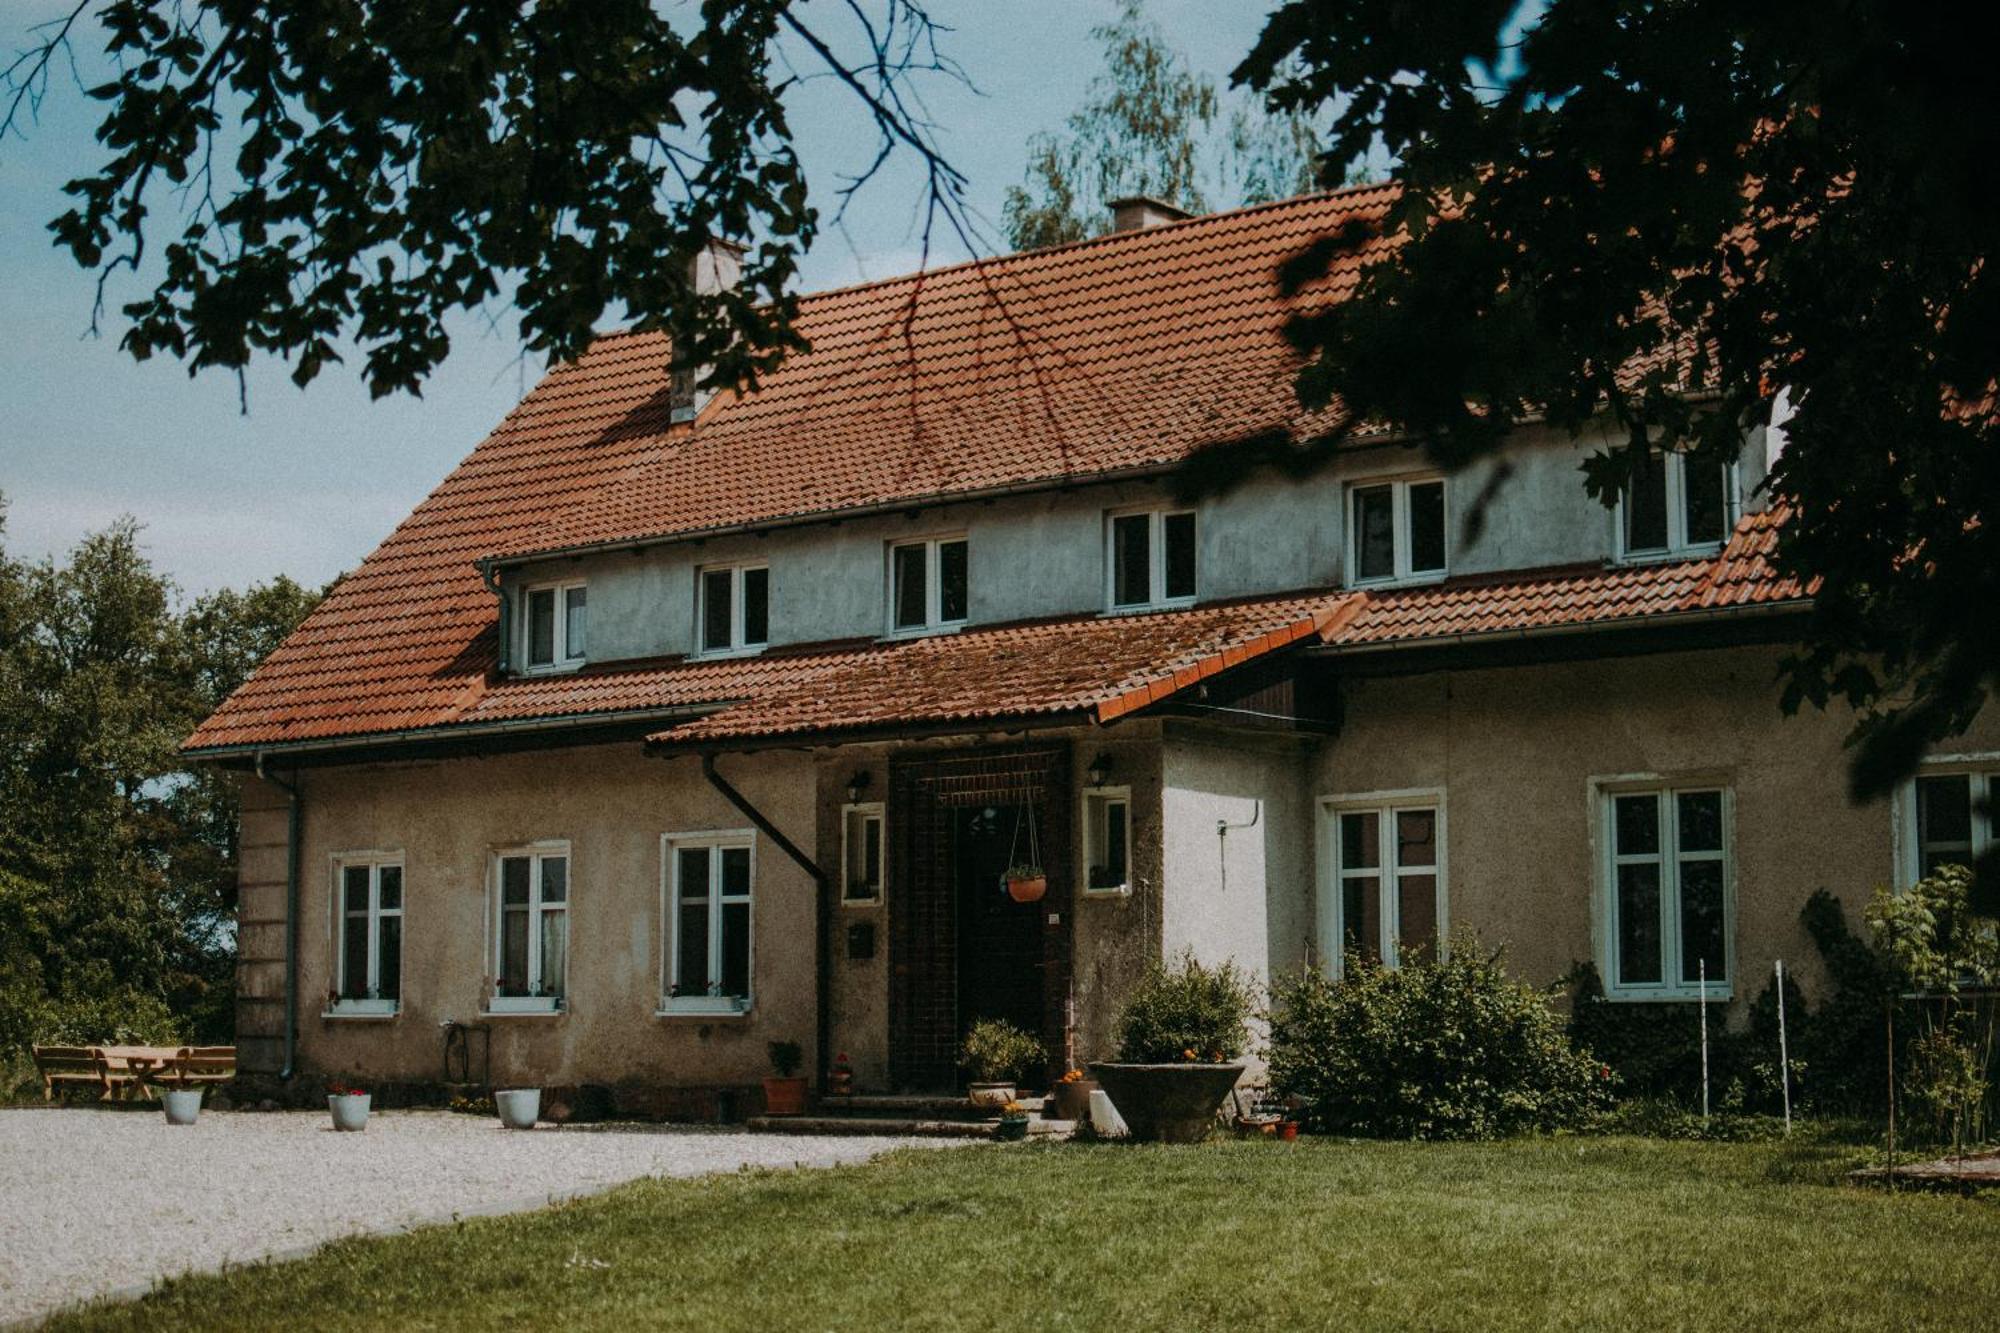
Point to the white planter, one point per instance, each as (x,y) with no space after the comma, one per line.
(350,1112)
(519,1107)
(989,1096)
(182,1105)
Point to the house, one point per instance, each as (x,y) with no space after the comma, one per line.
(672,724)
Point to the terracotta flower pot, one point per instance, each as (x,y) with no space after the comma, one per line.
(1028,890)
(784,1096)
(989,1096)
(1072,1100)
(1168,1103)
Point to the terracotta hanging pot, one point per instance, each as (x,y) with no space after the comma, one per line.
(1025,886)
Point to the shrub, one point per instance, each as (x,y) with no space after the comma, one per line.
(997,1051)
(1186,1012)
(1440,1049)
(785,1057)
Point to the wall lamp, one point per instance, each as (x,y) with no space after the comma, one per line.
(1099,771)
(856,785)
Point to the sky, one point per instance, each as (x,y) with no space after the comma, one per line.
(307,482)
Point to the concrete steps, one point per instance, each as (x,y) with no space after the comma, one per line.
(909,1117)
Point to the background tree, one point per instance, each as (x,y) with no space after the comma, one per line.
(358,170)
(1666,210)
(117,863)
(1151,124)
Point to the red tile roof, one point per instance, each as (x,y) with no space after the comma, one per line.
(1116,355)
(1578,595)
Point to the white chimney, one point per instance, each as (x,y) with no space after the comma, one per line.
(1140,211)
(717,267)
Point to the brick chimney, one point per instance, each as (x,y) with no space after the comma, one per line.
(717,267)
(1140,211)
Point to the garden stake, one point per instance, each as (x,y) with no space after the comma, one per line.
(1784,1053)
(1704,1039)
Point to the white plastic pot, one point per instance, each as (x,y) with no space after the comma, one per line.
(182,1105)
(350,1112)
(519,1108)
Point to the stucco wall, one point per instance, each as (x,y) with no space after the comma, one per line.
(1516,750)
(1244,895)
(612,805)
(1040,555)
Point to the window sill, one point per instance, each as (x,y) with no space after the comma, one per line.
(705,1011)
(363,1011)
(926,631)
(1115,891)
(1719,993)
(557,669)
(1626,560)
(724,654)
(1412,581)
(876,901)
(1147,608)
(503,1008)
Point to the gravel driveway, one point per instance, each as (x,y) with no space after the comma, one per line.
(100,1201)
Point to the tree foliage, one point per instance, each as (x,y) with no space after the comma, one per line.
(117,862)
(1150,124)
(359,171)
(1645,197)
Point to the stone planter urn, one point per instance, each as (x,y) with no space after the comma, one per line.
(989,1096)
(1173,1103)
(519,1108)
(1071,1100)
(350,1111)
(182,1105)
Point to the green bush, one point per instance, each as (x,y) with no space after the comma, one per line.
(997,1051)
(1186,1012)
(1440,1049)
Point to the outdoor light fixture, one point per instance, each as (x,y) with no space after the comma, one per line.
(1100,770)
(856,785)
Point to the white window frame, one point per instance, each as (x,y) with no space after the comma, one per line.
(1156,559)
(1984,770)
(1669,790)
(934,621)
(564,660)
(737,646)
(1678,547)
(670,922)
(863,813)
(537,853)
(1106,796)
(1399,506)
(339,1006)
(1385,805)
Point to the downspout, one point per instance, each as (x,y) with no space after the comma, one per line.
(503,652)
(822,961)
(292,817)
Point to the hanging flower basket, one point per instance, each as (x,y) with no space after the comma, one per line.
(1026,884)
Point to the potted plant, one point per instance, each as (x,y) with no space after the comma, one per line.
(1070,1096)
(519,1108)
(1013,1125)
(1026,883)
(785,1094)
(996,1052)
(349,1105)
(1178,1041)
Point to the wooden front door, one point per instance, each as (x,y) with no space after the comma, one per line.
(959,948)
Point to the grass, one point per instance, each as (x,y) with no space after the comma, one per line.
(1612,1233)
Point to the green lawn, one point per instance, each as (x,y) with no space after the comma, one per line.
(1610,1233)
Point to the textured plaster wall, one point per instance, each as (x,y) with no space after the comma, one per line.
(1516,750)
(1244,895)
(1040,555)
(612,804)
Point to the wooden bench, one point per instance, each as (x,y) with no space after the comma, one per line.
(70,1064)
(193,1065)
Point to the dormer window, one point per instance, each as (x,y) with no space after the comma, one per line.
(1675,504)
(928,585)
(1396,531)
(1150,559)
(554,631)
(735,608)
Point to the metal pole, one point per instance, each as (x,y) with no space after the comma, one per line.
(1784,1051)
(1704,1038)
